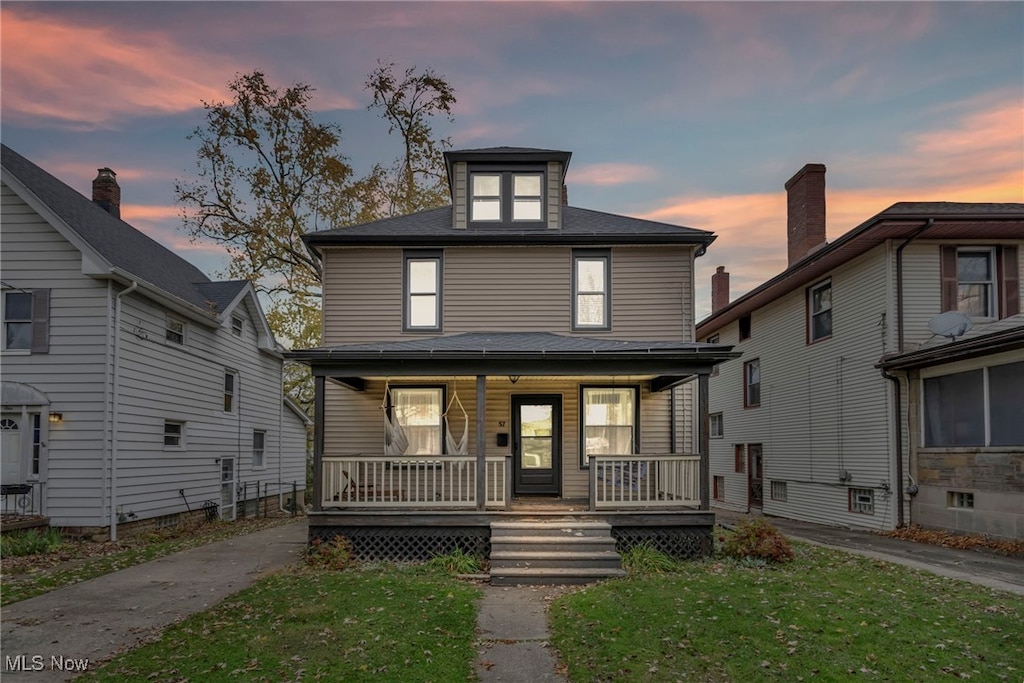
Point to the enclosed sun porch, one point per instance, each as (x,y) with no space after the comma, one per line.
(419,446)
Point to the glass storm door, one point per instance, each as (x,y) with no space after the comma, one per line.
(227,488)
(537,444)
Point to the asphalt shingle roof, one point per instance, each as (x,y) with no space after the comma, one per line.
(122,245)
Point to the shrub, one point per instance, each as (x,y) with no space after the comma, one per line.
(333,554)
(457,561)
(759,540)
(644,558)
(30,542)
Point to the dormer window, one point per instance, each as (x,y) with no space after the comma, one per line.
(506,197)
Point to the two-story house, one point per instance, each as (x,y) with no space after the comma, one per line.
(855,403)
(507,352)
(135,389)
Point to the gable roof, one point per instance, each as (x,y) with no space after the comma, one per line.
(579,227)
(901,221)
(114,249)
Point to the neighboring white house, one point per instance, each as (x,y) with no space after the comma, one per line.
(134,387)
(806,426)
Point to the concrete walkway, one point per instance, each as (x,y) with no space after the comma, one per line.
(95,619)
(512,631)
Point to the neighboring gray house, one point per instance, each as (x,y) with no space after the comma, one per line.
(504,353)
(806,425)
(134,387)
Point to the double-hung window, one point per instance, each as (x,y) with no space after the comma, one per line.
(26,317)
(752,383)
(420,412)
(981,281)
(506,197)
(819,311)
(609,423)
(259,440)
(174,330)
(230,389)
(174,434)
(591,279)
(975,280)
(423,278)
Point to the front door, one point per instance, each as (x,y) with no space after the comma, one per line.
(537,444)
(10,450)
(755,472)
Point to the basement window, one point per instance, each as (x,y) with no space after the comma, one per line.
(862,501)
(779,490)
(961,500)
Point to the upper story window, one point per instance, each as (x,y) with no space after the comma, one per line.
(174,330)
(506,197)
(422,284)
(819,311)
(752,383)
(744,325)
(26,317)
(237,325)
(981,281)
(591,277)
(230,390)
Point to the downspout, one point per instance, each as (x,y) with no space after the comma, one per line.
(899,281)
(898,419)
(115,412)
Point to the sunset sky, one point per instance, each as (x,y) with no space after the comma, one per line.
(694,114)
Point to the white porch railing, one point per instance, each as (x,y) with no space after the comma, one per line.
(411,482)
(644,481)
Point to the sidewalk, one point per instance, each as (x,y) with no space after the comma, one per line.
(979,567)
(100,617)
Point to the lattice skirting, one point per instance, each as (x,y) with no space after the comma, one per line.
(408,544)
(683,543)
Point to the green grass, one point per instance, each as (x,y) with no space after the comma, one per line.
(371,624)
(827,615)
(27,576)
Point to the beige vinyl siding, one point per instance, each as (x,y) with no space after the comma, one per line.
(554,195)
(73,373)
(824,407)
(460,195)
(354,422)
(521,289)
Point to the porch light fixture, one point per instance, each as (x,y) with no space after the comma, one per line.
(56,418)
(513,378)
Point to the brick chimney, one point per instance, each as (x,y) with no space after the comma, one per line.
(106,193)
(719,290)
(805,211)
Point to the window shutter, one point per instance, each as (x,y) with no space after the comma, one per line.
(947,270)
(1009,282)
(40,321)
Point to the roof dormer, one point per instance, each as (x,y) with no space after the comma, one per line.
(507,187)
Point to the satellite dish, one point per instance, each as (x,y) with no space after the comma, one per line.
(950,324)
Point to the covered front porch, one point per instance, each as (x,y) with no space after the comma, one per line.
(510,426)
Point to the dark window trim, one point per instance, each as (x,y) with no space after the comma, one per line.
(506,197)
(592,255)
(809,320)
(584,461)
(746,384)
(423,255)
(744,327)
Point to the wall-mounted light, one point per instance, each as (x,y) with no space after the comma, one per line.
(56,418)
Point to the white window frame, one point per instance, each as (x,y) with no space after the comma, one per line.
(394,413)
(862,501)
(716,425)
(259,449)
(604,258)
(588,419)
(172,335)
(815,314)
(179,438)
(779,491)
(960,500)
(991,302)
(237,325)
(410,296)
(748,401)
(507,201)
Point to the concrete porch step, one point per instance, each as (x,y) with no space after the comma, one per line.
(550,576)
(552,551)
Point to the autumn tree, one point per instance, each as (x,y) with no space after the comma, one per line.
(268,173)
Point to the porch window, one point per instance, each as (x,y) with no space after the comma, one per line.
(419,410)
(609,421)
(975,408)
(819,312)
(591,276)
(423,290)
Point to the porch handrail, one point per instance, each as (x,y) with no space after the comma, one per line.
(431,481)
(644,480)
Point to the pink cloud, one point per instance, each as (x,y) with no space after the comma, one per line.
(611,174)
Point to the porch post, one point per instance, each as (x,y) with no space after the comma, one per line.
(481,442)
(704,443)
(318,442)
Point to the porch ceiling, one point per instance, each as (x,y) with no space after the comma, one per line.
(511,353)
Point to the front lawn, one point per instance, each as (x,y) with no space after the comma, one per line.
(366,624)
(828,615)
